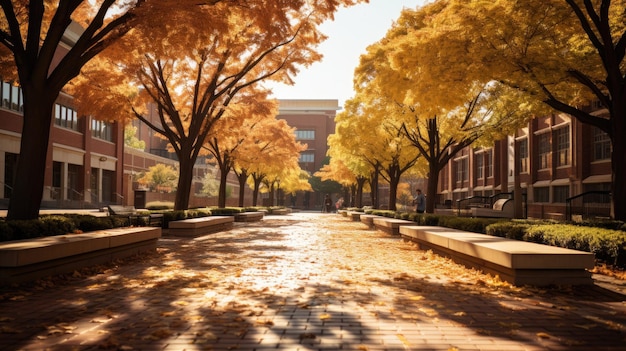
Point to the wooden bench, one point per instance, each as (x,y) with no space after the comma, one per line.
(390,225)
(502,208)
(31,259)
(193,227)
(249,216)
(130,212)
(517,262)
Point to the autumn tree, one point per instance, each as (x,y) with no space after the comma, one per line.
(32,34)
(380,142)
(565,54)
(271,152)
(227,139)
(439,118)
(160,177)
(195,73)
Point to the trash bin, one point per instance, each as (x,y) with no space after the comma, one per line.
(140,199)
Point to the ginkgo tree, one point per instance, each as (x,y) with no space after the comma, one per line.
(31,35)
(380,142)
(439,117)
(195,73)
(565,54)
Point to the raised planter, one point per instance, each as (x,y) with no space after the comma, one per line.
(193,227)
(518,262)
(31,259)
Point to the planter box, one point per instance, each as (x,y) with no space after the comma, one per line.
(31,259)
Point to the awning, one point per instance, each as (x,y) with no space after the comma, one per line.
(602,178)
(563,181)
(541,183)
(460,190)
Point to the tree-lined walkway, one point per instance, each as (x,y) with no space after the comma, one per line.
(304,282)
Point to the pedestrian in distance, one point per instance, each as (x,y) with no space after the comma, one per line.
(419,201)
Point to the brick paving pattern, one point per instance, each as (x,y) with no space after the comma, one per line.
(304,282)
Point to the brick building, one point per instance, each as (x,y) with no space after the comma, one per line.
(314,121)
(557,157)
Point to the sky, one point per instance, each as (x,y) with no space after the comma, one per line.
(349,35)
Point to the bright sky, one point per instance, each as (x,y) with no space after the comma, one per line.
(352,31)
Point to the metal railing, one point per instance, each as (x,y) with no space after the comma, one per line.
(590,204)
(480,201)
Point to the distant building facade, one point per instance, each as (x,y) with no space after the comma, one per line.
(557,157)
(84,162)
(314,121)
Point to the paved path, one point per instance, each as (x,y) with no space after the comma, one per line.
(304,282)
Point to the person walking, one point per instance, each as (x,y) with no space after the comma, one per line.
(328,202)
(419,201)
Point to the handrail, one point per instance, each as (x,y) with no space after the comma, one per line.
(485,200)
(568,201)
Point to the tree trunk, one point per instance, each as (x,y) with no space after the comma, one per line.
(374,189)
(221,198)
(360,181)
(31,164)
(185,179)
(255,191)
(242,177)
(431,190)
(618,161)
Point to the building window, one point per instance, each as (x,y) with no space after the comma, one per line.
(560,193)
(489,167)
(102,130)
(480,167)
(307,157)
(305,134)
(461,170)
(601,145)
(542,194)
(65,117)
(523,156)
(543,143)
(12,97)
(561,136)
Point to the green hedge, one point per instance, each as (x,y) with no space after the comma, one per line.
(51,225)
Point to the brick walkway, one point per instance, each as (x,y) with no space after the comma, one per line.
(305,282)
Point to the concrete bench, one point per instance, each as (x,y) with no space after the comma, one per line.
(502,208)
(390,225)
(355,216)
(368,219)
(517,262)
(31,259)
(200,226)
(281,211)
(249,216)
(130,212)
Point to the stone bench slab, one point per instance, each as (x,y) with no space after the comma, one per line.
(368,219)
(249,216)
(390,225)
(200,226)
(517,262)
(30,259)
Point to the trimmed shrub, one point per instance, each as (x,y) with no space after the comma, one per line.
(508,229)
(159,205)
(226,211)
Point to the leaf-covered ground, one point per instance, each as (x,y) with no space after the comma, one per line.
(304,282)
